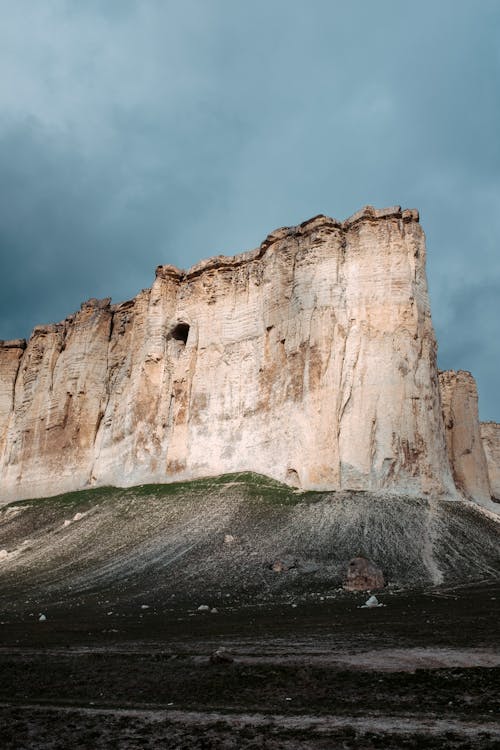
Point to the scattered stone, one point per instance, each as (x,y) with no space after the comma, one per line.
(42,618)
(78,516)
(203,608)
(283,565)
(363,575)
(67,523)
(307,566)
(371,602)
(3,554)
(144,606)
(221,656)
(214,611)
(229,539)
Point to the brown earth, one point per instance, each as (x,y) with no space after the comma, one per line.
(122,659)
(422,671)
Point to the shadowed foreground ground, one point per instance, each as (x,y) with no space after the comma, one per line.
(122,659)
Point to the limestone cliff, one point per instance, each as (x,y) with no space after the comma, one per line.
(463,435)
(490,435)
(311,359)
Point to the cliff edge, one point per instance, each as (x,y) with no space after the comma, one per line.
(311,359)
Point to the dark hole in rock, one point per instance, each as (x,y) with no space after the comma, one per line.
(292,477)
(180,332)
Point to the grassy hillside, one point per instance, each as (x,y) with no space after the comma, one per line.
(218,536)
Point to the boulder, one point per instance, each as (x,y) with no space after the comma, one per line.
(221,656)
(363,575)
(282,565)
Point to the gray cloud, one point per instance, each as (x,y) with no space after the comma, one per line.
(136,133)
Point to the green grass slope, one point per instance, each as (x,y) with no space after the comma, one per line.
(191,540)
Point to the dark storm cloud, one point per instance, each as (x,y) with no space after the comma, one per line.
(138,133)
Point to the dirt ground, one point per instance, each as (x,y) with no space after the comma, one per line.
(121,656)
(423,671)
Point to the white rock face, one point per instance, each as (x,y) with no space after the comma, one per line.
(311,359)
(11,353)
(463,435)
(490,435)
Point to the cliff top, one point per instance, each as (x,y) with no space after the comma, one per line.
(320,221)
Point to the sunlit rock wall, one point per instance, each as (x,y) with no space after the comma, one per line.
(463,435)
(311,359)
(490,435)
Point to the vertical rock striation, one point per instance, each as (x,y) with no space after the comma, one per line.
(490,435)
(11,353)
(463,435)
(311,359)
(58,399)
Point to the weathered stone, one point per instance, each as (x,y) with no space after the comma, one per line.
(11,353)
(363,575)
(371,603)
(463,435)
(283,565)
(490,436)
(221,656)
(311,359)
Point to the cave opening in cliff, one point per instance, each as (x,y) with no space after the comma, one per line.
(180,332)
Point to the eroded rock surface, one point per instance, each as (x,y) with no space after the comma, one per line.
(490,435)
(463,435)
(311,359)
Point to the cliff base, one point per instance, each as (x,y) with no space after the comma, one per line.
(241,536)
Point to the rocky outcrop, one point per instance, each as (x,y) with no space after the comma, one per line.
(11,353)
(10,357)
(463,435)
(311,359)
(490,436)
(59,394)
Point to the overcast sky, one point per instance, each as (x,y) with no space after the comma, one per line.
(134,133)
